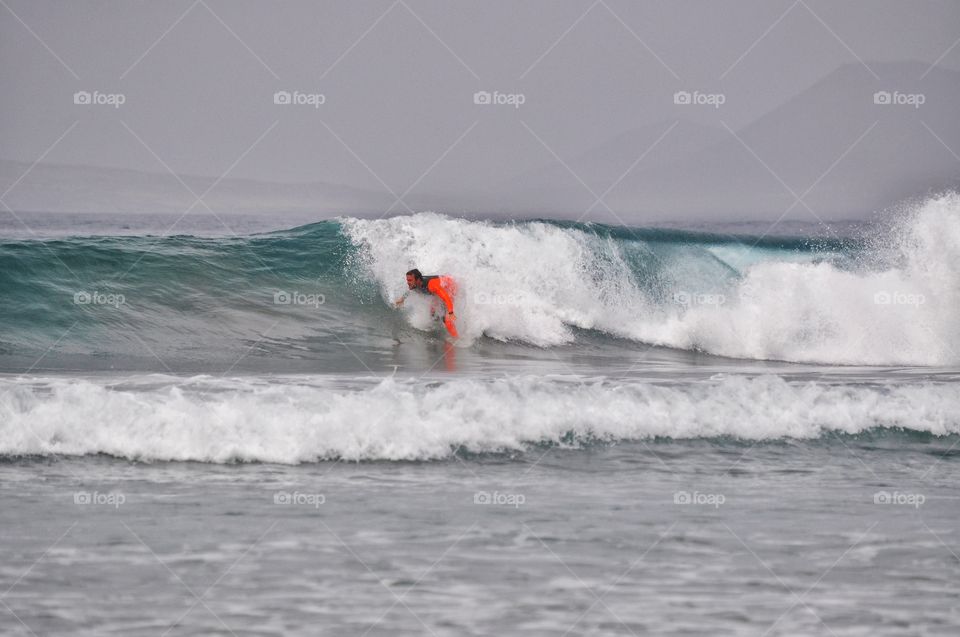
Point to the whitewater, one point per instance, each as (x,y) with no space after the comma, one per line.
(893,301)
(284,346)
(291,421)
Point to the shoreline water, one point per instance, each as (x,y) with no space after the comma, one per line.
(783,537)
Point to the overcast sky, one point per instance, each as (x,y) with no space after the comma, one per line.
(398,80)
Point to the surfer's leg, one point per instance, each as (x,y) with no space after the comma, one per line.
(451,326)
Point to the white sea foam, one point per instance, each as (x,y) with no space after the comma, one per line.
(302,420)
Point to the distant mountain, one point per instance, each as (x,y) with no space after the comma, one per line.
(694,172)
(816,135)
(701,172)
(64,188)
(559,185)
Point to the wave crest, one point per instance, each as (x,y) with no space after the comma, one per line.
(892,302)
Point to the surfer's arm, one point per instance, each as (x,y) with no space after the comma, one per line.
(400,301)
(435,287)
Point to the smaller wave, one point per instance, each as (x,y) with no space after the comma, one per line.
(162,418)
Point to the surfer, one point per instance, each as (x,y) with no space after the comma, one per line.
(441,286)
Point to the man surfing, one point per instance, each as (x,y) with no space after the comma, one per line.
(441,286)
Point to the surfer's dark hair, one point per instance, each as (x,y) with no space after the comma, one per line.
(415,273)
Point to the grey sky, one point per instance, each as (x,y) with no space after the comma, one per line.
(399,78)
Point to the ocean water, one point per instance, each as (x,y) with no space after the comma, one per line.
(674,431)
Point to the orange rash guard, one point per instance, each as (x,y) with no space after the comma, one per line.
(445,288)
